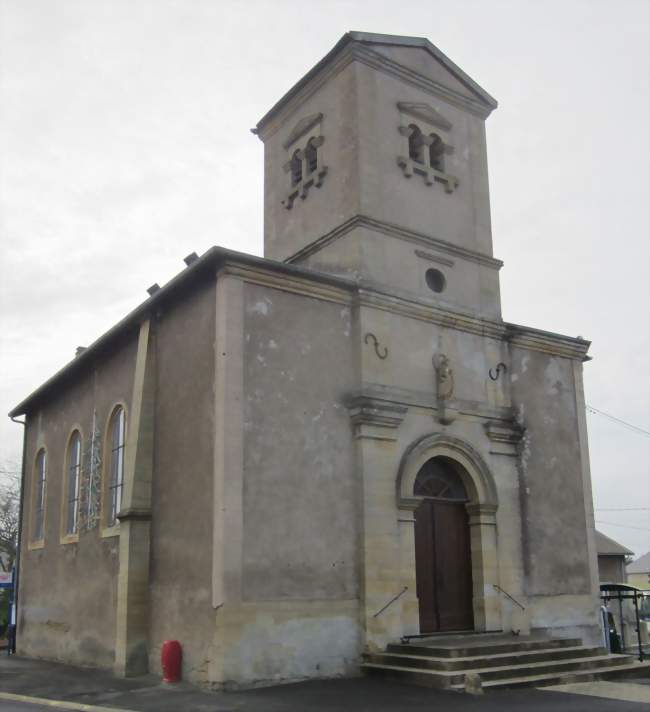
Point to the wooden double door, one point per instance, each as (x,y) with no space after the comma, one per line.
(443,566)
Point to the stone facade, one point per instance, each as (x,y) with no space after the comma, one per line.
(279,410)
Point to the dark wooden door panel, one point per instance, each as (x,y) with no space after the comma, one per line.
(424,568)
(453,574)
(443,566)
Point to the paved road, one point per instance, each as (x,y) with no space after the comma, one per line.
(96,687)
(23,707)
(357,696)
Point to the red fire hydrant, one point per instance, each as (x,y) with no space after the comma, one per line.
(171,657)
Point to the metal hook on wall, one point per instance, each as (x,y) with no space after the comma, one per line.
(381,351)
(501,368)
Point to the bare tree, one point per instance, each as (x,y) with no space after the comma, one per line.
(9,513)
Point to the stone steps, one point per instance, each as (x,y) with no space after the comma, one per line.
(483,645)
(499,662)
(486,664)
(482,659)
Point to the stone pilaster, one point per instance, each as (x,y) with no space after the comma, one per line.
(132,634)
(485,566)
(388,586)
(228,528)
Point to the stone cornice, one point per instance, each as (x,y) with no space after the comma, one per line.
(548,342)
(382,417)
(286,283)
(392,230)
(434,258)
(421,110)
(429,312)
(381,395)
(134,514)
(504,433)
(504,436)
(380,62)
(350,49)
(371,296)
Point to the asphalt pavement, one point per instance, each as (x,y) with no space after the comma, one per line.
(71,688)
(22,707)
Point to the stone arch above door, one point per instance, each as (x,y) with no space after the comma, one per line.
(481,508)
(475,473)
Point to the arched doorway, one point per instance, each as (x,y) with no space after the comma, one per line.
(443,561)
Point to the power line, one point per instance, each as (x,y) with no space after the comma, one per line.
(635,428)
(622,509)
(624,526)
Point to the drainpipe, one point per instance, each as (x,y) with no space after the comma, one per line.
(20,522)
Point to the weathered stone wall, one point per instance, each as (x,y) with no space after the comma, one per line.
(556,505)
(67,591)
(181,526)
(300,495)
(290,588)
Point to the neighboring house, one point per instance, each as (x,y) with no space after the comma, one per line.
(611,559)
(638,572)
(284,461)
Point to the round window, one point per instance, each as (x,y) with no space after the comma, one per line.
(435,280)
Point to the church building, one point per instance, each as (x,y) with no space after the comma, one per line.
(287,462)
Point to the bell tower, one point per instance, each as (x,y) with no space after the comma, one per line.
(376,168)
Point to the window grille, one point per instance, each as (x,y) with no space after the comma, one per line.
(74,476)
(438,479)
(39,503)
(116,464)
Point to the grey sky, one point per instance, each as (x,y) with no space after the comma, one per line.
(125,145)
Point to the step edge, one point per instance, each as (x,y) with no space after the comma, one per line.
(538,678)
(514,668)
(531,646)
(478,657)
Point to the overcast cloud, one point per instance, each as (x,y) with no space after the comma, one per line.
(125,145)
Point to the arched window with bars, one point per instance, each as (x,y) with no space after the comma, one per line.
(115,464)
(39,491)
(72,485)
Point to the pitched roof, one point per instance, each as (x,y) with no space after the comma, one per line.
(608,547)
(368,39)
(640,566)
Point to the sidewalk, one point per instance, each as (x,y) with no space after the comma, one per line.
(53,681)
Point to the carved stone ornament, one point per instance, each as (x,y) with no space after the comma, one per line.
(503,432)
(301,128)
(444,376)
(425,112)
(374,418)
